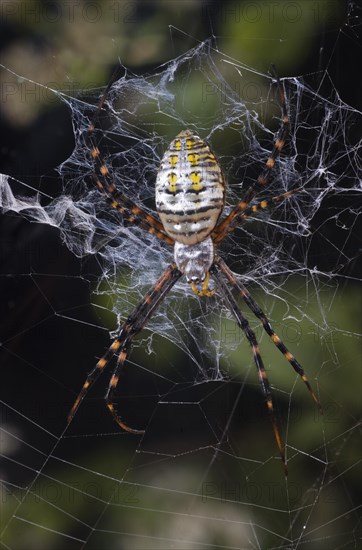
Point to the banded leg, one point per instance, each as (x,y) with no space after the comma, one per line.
(250,335)
(104,182)
(132,326)
(250,302)
(229,223)
(250,210)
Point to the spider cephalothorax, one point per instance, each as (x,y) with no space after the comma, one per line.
(190,194)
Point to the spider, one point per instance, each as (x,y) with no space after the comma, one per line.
(190,197)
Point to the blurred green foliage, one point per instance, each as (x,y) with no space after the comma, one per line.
(71,46)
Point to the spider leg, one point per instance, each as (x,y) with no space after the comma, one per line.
(250,335)
(131,327)
(127,208)
(229,223)
(105,183)
(250,210)
(250,302)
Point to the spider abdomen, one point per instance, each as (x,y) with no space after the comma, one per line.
(190,189)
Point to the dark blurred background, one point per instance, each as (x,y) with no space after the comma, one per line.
(44,358)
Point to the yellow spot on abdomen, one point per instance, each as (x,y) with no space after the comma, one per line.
(172,180)
(195,178)
(193,159)
(173,160)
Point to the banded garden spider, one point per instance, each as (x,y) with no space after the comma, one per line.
(190,195)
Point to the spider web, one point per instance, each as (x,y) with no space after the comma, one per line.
(200,476)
